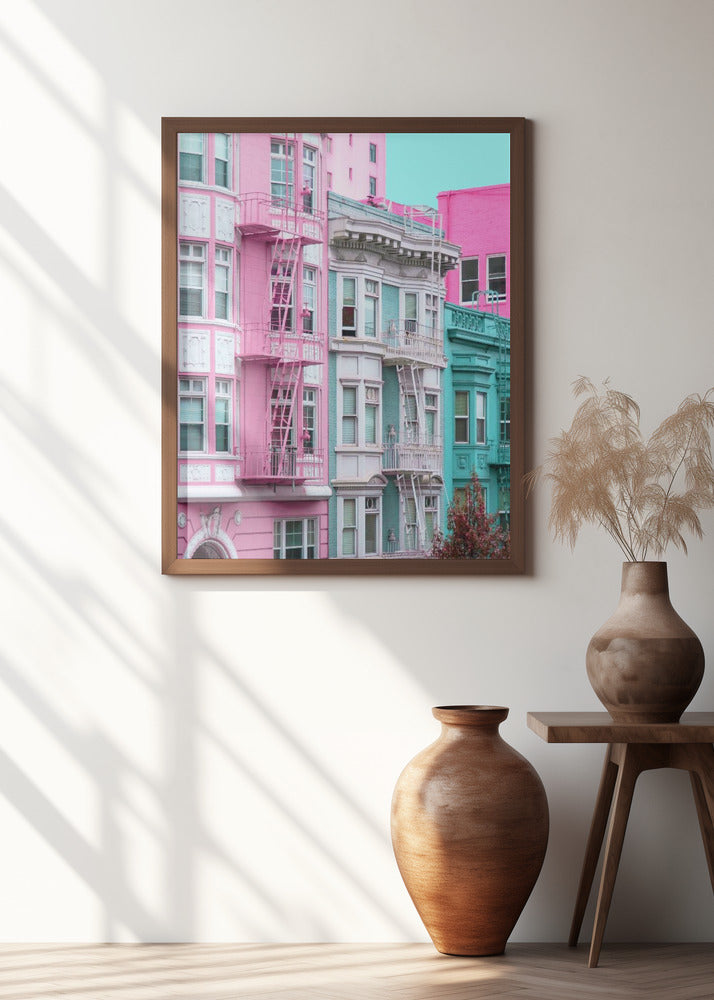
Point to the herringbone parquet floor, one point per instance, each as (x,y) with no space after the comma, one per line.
(351,972)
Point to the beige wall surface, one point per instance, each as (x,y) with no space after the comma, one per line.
(186,759)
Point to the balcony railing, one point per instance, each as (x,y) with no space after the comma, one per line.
(261,343)
(262,214)
(408,341)
(500,453)
(272,465)
(412,456)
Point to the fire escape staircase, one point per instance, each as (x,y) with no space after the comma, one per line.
(285,374)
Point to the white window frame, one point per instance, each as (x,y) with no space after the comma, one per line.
(431,406)
(280,536)
(480,414)
(228,186)
(187,255)
(223,391)
(190,388)
(462,419)
(373,295)
(182,142)
(309,297)
(352,331)
(473,298)
(309,406)
(411,323)
(500,276)
(431,507)
(373,401)
(354,417)
(282,151)
(223,263)
(309,163)
(364,507)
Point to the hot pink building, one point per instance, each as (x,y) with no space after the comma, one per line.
(478,220)
(252,338)
(355,164)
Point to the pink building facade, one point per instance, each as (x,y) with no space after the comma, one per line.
(252,339)
(478,220)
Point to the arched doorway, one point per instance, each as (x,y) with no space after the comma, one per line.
(209,550)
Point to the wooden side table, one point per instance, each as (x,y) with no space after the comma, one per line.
(686,744)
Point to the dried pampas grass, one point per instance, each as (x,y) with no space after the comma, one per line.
(644,494)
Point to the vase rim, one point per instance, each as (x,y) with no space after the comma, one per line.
(470,715)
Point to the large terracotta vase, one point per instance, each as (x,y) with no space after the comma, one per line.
(645,664)
(469,830)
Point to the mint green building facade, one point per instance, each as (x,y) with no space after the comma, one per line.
(477,405)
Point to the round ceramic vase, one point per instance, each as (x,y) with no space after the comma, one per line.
(469,830)
(645,664)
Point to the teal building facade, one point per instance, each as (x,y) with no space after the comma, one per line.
(477,405)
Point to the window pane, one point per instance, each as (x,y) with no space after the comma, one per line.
(370,424)
(349,539)
(348,291)
(191,410)
(222,442)
(410,305)
(191,142)
(349,400)
(461,404)
(370,534)
(370,317)
(222,173)
(349,430)
(349,513)
(222,145)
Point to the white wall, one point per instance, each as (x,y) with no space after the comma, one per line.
(214,759)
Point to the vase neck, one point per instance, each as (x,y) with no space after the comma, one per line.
(644,578)
(472,721)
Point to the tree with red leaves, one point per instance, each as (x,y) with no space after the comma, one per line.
(471,532)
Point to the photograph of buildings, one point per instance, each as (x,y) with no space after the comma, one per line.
(343,345)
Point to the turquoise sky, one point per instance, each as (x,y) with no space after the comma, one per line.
(419,165)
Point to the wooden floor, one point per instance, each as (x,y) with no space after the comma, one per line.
(351,972)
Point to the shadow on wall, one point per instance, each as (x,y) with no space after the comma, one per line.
(150,649)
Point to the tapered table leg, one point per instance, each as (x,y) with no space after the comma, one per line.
(594,844)
(629,768)
(702,776)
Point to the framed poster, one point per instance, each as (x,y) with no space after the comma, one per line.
(343,346)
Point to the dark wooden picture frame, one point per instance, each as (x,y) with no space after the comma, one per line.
(202,213)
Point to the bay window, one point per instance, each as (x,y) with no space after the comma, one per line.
(223,283)
(349,414)
(222,415)
(192,414)
(461,417)
(309,420)
(349,307)
(222,159)
(480,418)
(192,258)
(309,289)
(191,156)
(282,172)
(371,310)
